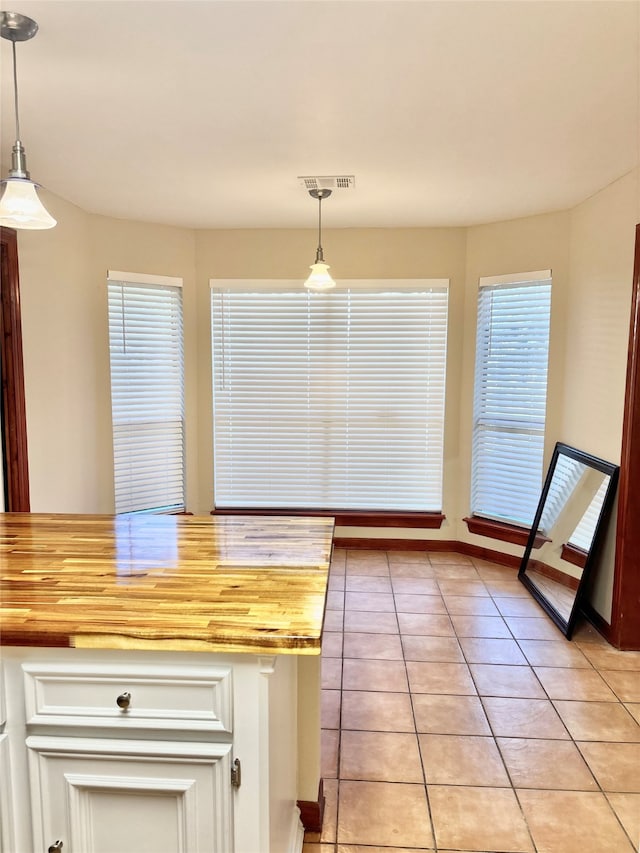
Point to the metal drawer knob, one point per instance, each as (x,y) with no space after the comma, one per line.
(55,847)
(123,701)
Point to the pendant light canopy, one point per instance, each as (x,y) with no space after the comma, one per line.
(319,278)
(20,206)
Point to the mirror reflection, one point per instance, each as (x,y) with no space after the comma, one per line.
(575,500)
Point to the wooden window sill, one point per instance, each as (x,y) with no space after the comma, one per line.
(353,518)
(573,554)
(498,530)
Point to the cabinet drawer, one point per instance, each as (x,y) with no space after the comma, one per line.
(161,697)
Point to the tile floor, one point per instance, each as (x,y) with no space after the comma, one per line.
(456,717)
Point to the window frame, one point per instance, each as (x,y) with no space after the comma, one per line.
(355,517)
(15,467)
(486,523)
(160,283)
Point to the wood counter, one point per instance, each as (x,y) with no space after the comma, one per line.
(187,583)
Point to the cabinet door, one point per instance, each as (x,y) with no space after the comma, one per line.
(117,796)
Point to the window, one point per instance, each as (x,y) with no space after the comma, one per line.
(145,345)
(582,536)
(566,476)
(329,401)
(510,396)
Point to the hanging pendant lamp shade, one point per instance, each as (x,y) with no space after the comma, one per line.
(319,278)
(20,206)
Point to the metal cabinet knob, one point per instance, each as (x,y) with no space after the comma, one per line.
(123,701)
(55,847)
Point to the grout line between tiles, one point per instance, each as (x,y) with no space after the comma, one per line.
(495,741)
(413,715)
(591,667)
(339,756)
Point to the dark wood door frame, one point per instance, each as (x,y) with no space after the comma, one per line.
(625,613)
(12,408)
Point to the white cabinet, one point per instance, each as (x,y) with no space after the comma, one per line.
(117,796)
(115,751)
(106,794)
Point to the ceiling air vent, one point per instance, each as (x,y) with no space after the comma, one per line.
(331,182)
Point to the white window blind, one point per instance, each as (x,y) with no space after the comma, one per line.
(146,354)
(566,476)
(330,400)
(582,536)
(510,396)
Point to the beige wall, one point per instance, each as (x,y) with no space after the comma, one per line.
(63,283)
(590,252)
(66,348)
(596,330)
(520,245)
(61,317)
(596,338)
(152,249)
(354,253)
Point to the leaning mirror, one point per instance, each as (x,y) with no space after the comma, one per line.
(568,526)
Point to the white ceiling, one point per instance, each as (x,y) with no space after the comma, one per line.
(203,114)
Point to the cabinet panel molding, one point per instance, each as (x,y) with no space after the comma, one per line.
(94,799)
(99,795)
(168,698)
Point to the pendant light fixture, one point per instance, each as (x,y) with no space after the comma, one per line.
(20,206)
(319,278)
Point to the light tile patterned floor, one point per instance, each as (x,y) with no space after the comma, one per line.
(456,717)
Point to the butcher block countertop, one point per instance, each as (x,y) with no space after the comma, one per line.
(215,583)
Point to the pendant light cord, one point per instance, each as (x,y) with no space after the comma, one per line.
(319,253)
(15,90)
